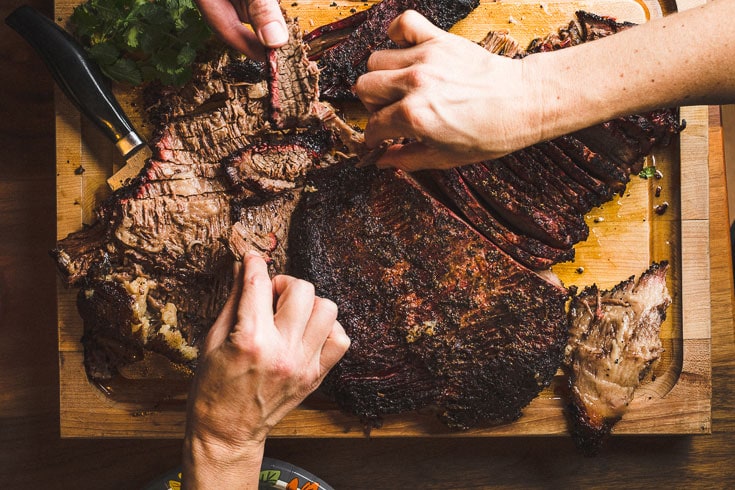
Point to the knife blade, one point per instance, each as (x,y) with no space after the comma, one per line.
(85,85)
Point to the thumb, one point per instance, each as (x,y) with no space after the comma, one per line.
(411,28)
(268,23)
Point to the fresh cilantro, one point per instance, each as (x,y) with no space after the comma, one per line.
(136,41)
(648,172)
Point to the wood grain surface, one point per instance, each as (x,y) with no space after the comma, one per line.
(32,454)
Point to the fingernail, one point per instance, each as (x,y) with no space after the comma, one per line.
(273,34)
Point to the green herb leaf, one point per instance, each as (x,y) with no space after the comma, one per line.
(124,70)
(648,172)
(104,53)
(142,40)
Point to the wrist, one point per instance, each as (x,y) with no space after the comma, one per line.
(208,464)
(560,101)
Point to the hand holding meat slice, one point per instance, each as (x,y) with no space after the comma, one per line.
(463,106)
(443,91)
(227,16)
(257,364)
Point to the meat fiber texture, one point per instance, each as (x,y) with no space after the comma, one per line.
(435,274)
(344,59)
(613,346)
(227,170)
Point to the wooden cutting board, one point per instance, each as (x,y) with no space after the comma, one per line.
(626,235)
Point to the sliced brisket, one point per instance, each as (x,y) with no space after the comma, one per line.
(292,83)
(222,182)
(528,251)
(441,278)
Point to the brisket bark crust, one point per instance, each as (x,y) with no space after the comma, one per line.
(345,59)
(439,317)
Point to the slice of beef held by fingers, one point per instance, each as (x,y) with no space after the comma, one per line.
(439,317)
(263,228)
(293,82)
(530,252)
(343,62)
(614,342)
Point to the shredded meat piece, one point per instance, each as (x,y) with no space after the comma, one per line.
(614,342)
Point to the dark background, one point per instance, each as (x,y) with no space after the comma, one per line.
(32,455)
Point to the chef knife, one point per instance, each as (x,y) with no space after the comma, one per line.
(81,80)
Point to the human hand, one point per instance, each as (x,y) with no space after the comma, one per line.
(226,17)
(458,103)
(271,346)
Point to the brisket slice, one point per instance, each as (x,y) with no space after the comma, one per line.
(154,269)
(530,252)
(615,174)
(264,229)
(568,36)
(275,163)
(629,139)
(531,216)
(596,26)
(532,165)
(439,317)
(598,191)
(345,60)
(292,83)
(614,343)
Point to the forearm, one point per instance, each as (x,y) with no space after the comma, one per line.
(204,468)
(682,59)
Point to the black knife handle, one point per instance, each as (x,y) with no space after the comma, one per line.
(77,75)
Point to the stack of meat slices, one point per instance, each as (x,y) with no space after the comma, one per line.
(532,203)
(228,169)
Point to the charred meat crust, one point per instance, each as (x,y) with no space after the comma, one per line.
(532,253)
(345,60)
(469,331)
(464,330)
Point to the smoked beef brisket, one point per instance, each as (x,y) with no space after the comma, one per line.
(439,317)
(614,343)
(228,168)
(441,278)
(532,203)
(342,48)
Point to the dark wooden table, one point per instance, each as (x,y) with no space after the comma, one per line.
(32,455)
